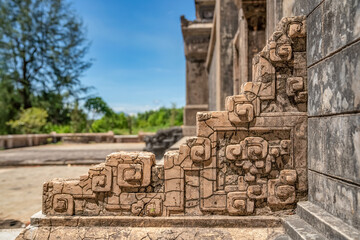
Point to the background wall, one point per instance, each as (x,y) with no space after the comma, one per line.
(333,55)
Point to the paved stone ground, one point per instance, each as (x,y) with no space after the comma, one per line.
(21,188)
(60,154)
(10,234)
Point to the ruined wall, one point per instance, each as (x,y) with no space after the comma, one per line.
(334,105)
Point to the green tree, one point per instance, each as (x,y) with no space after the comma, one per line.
(98,106)
(78,119)
(31,120)
(10,104)
(44,46)
(114,123)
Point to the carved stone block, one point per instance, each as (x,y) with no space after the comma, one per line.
(254,148)
(258,191)
(263,70)
(280,52)
(63,204)
(130,175)
(241,108)
(233,152)
(297,29)
(239,204)
(282,191)
(154,208)
(135,172)
(101,179)
(294,85)
(137,208)
(245,112)
(200,149)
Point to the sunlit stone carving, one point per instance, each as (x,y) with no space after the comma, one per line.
(249,159)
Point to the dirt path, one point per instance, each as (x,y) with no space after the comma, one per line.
(21,188)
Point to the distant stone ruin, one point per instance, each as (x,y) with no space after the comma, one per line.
(162,140)
(247,160)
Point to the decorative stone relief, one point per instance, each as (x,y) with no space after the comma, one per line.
(247,160)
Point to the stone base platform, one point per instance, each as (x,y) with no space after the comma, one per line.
(314,223)
(122,227)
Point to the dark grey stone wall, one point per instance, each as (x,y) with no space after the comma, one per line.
(333,58)
(334,146)
(336,197)
(305,7)
(337,78)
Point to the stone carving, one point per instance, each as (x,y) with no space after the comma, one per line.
(247,160)
(200,149)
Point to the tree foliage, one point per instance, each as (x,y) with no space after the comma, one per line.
(98,106)
(31,120)
(42,57)
(42,49)
(148,121)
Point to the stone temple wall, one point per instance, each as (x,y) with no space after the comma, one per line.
(248,160)
(334,105)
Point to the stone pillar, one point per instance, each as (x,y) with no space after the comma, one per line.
(196,36)
(249,40)
(219,61)
(277,9)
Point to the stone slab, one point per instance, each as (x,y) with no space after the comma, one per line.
(40,220)
(334,85)
(325,223)
(314,37)
(298,229)
(120,227)
(334,24)
(165,233)
(334,146)
(336,197)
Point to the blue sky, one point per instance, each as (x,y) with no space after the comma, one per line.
(138,53)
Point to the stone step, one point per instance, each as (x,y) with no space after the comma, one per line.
(297,229)
(325,223)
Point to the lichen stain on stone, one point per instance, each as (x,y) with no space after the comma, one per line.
(356,141)
(357,23)
(355,86)
(326,99)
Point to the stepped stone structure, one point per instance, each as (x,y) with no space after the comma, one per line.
(286,138)
(247,160)
(250,159)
